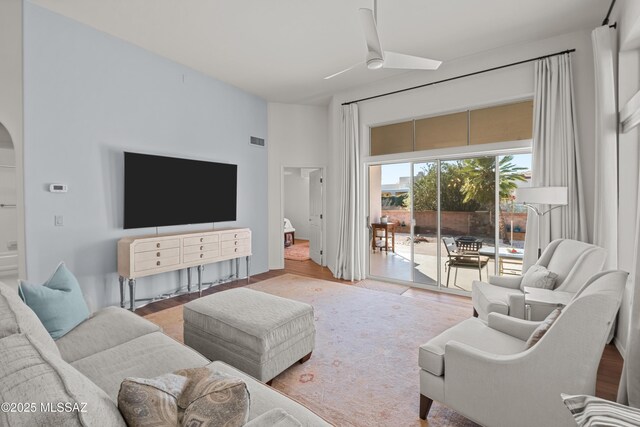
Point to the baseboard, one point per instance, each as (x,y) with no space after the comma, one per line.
(619,346)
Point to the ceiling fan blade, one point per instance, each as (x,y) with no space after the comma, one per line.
(368,22)
(343,71)
(409,62)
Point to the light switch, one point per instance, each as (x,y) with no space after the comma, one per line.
(58,221)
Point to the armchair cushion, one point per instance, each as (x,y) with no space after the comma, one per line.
(538,276)
(543,328)
(488,298)
(473,332)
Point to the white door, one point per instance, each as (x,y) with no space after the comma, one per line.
(315,216)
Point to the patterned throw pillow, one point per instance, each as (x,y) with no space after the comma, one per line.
(589,411)
(190,397)
(212,399)
(151,402)
(538,277)
(546,324)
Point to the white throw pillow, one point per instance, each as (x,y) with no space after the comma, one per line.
(538,277)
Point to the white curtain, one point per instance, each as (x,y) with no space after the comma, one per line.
(629,391)
(350,255)
(605,231)
(556,160)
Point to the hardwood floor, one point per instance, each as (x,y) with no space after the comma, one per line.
(609,371)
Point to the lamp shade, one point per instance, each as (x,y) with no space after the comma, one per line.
(542,195)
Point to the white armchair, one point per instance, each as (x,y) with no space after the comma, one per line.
(485,372)
(574,262)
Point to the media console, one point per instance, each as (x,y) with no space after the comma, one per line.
(160,253)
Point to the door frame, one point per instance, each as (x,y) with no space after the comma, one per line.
(324,206)
(494,150)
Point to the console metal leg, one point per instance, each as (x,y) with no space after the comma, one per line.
(189,280)
(132,294)
(248,269)
(121,279)
(237,268)
(200,268)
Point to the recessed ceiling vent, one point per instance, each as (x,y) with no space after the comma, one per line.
(259,142)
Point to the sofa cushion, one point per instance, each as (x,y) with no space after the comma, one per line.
(148,356)
(105,329)
(473,332)
(250,319)
(16,317)
(58,302)
(538,276)
(30,374)
(265,398)
(489,298)
(277,417)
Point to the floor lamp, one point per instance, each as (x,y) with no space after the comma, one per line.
(554,197)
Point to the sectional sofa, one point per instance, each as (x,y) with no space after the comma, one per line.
(91,361)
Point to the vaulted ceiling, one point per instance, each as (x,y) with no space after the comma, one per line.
(282,49)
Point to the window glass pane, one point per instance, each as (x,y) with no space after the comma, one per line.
(390,139)
(389,221)
(441,132)
(515,172)
(425,229)
(511,122)
(467,225)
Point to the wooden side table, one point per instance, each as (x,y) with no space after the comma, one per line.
(389,227)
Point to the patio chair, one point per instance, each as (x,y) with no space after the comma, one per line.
(462,259)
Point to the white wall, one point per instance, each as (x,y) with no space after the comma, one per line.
(88,98)
(298,137)
(11,102)
(494,87)
(296,201)
(627,13)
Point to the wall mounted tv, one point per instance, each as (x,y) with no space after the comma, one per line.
(161,191)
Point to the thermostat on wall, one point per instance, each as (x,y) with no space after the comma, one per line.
(58,188)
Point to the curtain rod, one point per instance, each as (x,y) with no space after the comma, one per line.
(606,18)
(458,77)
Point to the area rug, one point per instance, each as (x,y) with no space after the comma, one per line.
(364,369)
(378,285)
(297,252)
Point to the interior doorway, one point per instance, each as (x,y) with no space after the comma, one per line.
(302,214)
(9,264)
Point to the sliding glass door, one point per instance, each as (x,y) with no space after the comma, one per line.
(444,223)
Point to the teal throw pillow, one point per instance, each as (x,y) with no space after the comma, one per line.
(58,302)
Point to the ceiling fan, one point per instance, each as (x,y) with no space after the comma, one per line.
(377,58)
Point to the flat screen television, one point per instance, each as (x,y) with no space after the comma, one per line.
(160,191)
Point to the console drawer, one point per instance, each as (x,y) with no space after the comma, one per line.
(234,235)
(157,244)
(234,243)
(192,241)
(157,263)
(237,250)
(162,253)
(200,248)
(207,255)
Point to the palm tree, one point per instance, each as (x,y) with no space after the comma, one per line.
(478,182)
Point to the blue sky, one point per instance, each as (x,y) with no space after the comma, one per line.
(391,173)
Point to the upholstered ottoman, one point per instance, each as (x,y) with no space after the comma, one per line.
(258,333)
